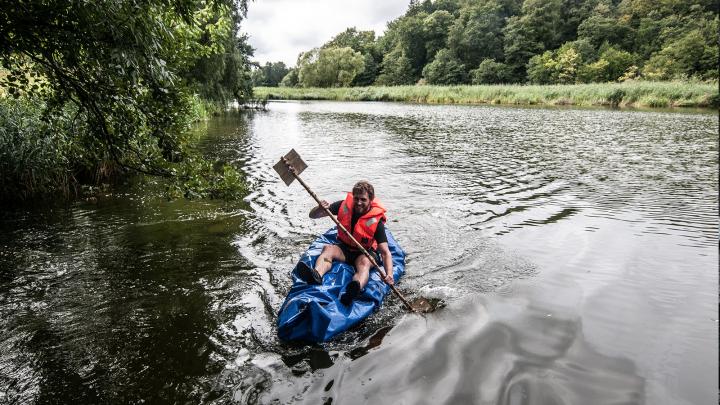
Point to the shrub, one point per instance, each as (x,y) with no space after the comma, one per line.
(445,69)
(490,72)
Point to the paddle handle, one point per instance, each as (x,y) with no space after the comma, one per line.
(357,244)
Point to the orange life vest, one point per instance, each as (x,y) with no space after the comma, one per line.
(365,226)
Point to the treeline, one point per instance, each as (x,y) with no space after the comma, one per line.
(514,41)
(268,75)
(93,90)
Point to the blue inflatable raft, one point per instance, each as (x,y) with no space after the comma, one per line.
(314,312)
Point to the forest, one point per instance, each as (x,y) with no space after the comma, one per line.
(447,42)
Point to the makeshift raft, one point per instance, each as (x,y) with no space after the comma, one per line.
(313,312)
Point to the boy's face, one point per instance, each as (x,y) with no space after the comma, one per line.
(362,203)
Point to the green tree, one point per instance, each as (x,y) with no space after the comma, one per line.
(532,33)
(359,41)
(595,72)
(477,33)
(369,72)
(451,6)
(290,79)
(490,72)
(269,75)
(542,69)
(364,43)
(407,35)
(436,27)
(329,67)
(396,70)
(126,69)
(573,13)
(604,26)
(222,75)
(445,69)
(561,66)
(619,62)
(692,55)
(611,66)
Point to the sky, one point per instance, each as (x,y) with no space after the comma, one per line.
(280,29)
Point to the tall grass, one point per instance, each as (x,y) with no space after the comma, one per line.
(34,157)
(54,153)
(627,94)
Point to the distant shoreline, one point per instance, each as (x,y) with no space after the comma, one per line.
(627,94)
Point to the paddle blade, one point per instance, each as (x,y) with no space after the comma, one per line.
(424,305)
(289,162)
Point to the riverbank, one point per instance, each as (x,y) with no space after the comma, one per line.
(59,158)
(627,94)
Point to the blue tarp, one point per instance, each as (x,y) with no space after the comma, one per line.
(314,312)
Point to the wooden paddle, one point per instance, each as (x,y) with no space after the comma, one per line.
(289,168)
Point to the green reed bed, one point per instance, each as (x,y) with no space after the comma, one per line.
(627,94)
(45,155)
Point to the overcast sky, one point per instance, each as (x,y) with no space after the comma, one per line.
(280,29)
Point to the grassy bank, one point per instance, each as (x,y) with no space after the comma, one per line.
(57,155)
(627,94)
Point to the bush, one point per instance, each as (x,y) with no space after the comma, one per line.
(396,70)
(490,72)
(541,69)
(290,79)
(613,65)
(33,155)
(445,69)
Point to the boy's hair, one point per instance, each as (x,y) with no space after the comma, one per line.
(363,186)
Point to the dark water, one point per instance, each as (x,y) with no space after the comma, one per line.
(576,252)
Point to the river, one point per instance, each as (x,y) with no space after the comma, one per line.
(575,250)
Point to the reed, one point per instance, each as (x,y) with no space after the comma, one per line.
(34,158)
(626,94)
(46,157)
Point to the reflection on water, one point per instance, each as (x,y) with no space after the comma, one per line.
(576,251)
(505,351)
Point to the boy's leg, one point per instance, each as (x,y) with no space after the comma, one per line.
(324,261)
(362,270)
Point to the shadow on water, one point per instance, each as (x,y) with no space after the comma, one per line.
(117,301)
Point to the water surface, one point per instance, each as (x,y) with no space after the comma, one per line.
(576,250)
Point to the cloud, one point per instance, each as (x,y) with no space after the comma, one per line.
(280,29)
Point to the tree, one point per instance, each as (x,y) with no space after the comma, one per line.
(364,43)
(490,72)
(561,66)
(445,69)
(290,79)
(477,33)
(604,26)
(407,36)
(222,75)
(510,38)
(329,67)
(611,66)
(127,69)
(692,55)
(532,33)
(573,13)
(369,72)
(359,41)
(270,74)
(542,69)
(436,27)
(396,70)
